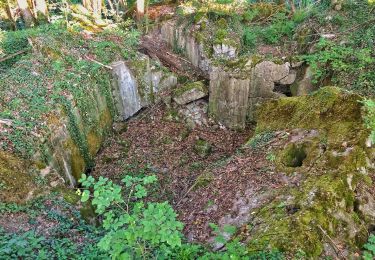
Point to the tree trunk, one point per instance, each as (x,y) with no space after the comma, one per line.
(9,13)
(292,6)
(26,14)
(97,8)
(87,4)
(140,9)
(94,7)
(41,11)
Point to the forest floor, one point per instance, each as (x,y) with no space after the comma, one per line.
(202,190)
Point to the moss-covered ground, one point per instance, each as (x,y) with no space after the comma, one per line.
(332,165)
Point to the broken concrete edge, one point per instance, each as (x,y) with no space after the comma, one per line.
(190,92)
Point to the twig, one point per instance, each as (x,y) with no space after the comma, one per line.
(186,193)
(7,122)
(97,62)
(179,57)
(13,55)
(337,250)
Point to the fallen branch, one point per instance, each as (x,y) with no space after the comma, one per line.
(7,122)
(13,55)
(333,244)
(99,63)
(175,62)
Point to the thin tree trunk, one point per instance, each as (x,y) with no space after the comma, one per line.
(87,4)
(41,11)
(113,10)
(140,9)
(97,8)
(26,14)
(292,6)
(9,13)
(94,7)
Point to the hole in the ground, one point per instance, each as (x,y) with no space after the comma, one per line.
(371,229)
(294,156)
(291,209)
(283,89)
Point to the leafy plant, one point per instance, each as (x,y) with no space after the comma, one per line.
(58,242)
(369,253)
(134,230)
(333,60)
(23,245)
(347,60)
(260,140)
(281,26)
(271,157)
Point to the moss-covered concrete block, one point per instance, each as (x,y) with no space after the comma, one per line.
(190,92)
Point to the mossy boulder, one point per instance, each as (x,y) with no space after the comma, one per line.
(334,168)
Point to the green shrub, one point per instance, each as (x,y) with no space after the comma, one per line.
(369,252)
(280,27)
(134,230)
(272,33)
(346,65)
(58,242)
(249,38)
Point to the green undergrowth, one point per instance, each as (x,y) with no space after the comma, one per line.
(337,44)
(369,252)
(57,77)
(129,225)
(369,105)
(65,234)
(139,229)
(248,25)
(347,60)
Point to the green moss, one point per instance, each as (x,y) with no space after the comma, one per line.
(198,85)
(242,64)
(202,148)
(78,164)
(203,180)
(69,195)
(198,17)
(319,203)
(294,155)
(333,111)
(222,23)
(17,184)
(331,166)
(88,214)
(86,209)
